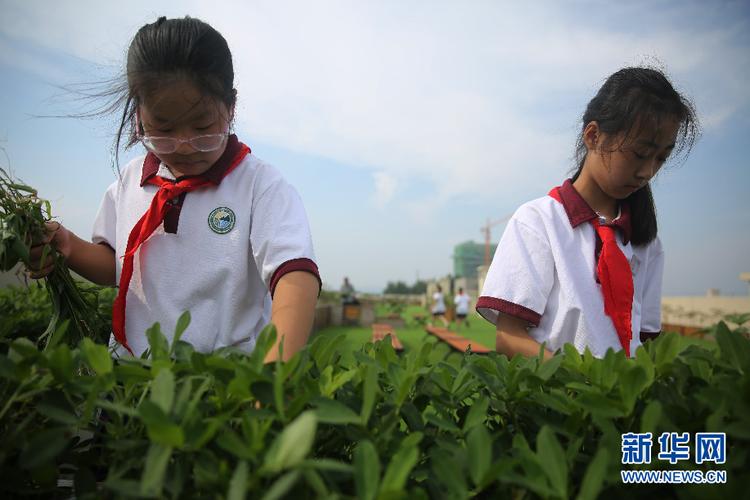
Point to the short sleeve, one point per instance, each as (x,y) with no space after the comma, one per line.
(280,234)
(651,305)
(520,277)
(105,224)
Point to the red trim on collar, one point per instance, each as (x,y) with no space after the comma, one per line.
(579,211)
(575,206)
(214,174)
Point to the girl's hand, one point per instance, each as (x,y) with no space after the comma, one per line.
(59,238)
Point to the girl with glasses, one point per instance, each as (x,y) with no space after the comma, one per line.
(198,223)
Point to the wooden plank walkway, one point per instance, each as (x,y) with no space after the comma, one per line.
(381,330)
(456,341)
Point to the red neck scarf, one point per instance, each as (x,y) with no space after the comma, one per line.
(616,279)
(152,219)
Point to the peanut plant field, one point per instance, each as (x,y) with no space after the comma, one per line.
(346,418)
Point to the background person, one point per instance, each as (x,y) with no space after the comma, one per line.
(462,302)
(438,306)
(348,294)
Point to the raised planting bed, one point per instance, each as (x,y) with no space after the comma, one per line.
(456,341)
(380,331)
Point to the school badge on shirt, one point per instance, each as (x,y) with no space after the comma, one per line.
(221,220)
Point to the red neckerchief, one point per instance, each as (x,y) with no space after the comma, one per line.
(616,278)
(152,219)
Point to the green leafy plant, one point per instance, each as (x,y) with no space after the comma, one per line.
(377,425)
(23,217)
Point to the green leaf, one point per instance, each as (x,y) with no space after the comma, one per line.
(229,440)
(282,486)
(97,356)
(477,413)
(643,360)
(651,416)
(548,368)
(325,464)
(479,447)
(238,483)
(293,443)
(55,407)
(330,411)
(316,483)
(632,382)
(23,348)
(412,416)
(401,464)
(600,405)
(155,468)
(369,388)
(366,470)
(263,345)
(571,356)
(58,331)
(735,348)
(448,471)
(442,423)
(593,480)
(182,323)
(131,373)
(278,390)
(160,428)
(552,458)
(158,342)
(162,390)
(666,347)
(61,362)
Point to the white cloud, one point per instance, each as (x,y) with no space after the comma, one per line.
(470,97)
(385,188)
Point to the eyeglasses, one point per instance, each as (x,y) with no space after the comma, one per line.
(167,145)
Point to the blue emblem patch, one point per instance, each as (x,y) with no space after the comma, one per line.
(221,220)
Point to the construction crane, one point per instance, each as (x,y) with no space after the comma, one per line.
(487,231)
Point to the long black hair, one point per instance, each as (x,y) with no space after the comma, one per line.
(630,100)
(161,52)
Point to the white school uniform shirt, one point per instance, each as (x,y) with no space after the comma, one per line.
(462,303)
(439,306)
(219,253)
(544,272)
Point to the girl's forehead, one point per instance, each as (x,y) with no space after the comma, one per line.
(661,133)
(178,100)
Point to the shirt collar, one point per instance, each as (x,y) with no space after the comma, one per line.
(214,174)
(579,211)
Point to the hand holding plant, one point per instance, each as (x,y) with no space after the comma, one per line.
(41,255)
(27,236)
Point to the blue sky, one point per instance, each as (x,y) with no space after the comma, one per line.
(405,125)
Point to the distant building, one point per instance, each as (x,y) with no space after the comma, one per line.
(467,257)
